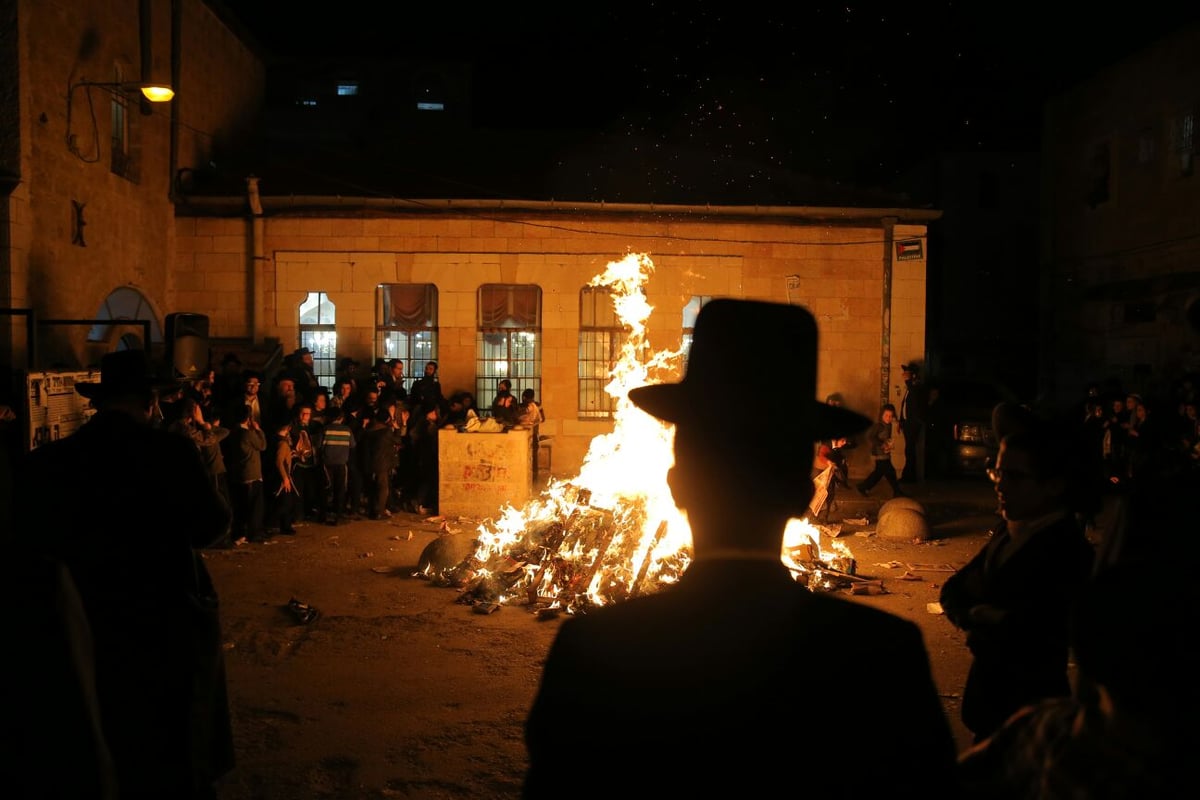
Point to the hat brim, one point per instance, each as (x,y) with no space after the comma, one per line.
(674,402)
(94,390)
(89,389)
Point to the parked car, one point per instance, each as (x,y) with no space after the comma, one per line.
(960,440)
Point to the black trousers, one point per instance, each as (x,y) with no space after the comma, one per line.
(248,510)
(339,482)
(310,486)
(884,470)
(914,450)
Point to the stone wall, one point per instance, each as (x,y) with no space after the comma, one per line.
(837,272)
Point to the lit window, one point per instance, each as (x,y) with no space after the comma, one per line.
(690,312)
(406,323)
(347,89)
(430,91)
(508,341)
(318,332)
(601,335)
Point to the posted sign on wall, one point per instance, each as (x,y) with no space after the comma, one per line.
(55,408)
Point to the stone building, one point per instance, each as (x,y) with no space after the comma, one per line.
(89,167)
(488,288)
(1121,243)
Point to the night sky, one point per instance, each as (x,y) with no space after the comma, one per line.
(848,93)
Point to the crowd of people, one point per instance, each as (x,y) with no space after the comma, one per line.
(121,677)
(285,450)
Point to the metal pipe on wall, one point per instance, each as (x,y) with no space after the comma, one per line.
(885,343)
(258,258)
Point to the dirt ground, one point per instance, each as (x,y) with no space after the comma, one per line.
(397,690)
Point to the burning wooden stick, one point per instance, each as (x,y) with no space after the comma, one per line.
(641,576)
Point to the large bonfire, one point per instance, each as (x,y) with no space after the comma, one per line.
(613,531)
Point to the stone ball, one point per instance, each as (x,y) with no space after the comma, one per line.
(903,523)
(897,503)
(445,553)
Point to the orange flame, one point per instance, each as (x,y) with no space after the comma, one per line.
(646,540)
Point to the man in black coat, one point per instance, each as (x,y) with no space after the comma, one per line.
(125,507)
(1013,599)
(913,407)
(739,679)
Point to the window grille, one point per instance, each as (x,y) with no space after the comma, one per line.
(406,324)
(690,311)
(318,332)
(508,340)
(120,163)
(1184,142)
(601,336)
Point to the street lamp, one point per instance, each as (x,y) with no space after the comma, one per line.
(153,91)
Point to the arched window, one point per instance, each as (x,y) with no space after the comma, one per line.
(318,332)
(601,335)
(690,312)
(125,303)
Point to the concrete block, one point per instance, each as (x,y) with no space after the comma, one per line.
(480,473)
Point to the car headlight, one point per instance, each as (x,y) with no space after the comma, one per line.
(975,432)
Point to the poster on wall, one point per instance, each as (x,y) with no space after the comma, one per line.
(56,410)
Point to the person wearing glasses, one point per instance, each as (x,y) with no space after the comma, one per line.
(1013,599)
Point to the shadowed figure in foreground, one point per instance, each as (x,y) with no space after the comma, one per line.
(739,679)
(125,507)
(1013,598)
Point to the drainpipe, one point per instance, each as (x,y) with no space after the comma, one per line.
(258,265)
(145,45)
(176,70)
(885,343)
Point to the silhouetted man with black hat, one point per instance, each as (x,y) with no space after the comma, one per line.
(738,679)
(125,507)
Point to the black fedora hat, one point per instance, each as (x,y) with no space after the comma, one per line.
(771,348)
(124,372)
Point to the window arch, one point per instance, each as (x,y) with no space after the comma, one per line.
(318,332)
(690,312)
(125,303)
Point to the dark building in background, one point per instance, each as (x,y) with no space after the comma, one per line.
(1121,244)
(983,276)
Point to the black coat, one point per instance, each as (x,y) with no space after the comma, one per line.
(1023,657)
(124,506)
(732,683)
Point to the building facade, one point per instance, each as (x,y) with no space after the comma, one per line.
(90,167)
(506,288)
(104,237)
(1121,250)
